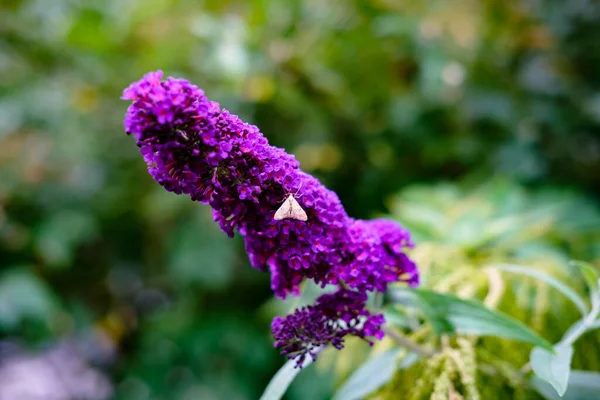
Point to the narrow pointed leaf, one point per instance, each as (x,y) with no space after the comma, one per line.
(439,323)
(466,316)
(374,374)
(550,280)
(283,379)
(369,377)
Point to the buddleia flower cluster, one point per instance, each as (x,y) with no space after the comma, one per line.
(194,147)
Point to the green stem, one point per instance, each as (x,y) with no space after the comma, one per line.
(587,323)
(406,342)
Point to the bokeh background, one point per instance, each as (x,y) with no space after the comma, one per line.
(424,111)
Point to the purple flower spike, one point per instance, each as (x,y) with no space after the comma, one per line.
(191,146)
(326,322)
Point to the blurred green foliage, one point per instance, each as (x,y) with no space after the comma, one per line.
(370,95)
(464,231)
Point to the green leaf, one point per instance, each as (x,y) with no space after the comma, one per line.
(544,277)
(374,374)
(24,296)
(396,318)
(553,368)
(409,360)
(283,379)
(472,317)
(589,274)
(59,235)
(369,377)
(439,323)
(315,383)
(583,385)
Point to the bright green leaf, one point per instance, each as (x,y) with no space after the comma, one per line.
(472,317)
(283,379)
(438,322)
(544,277)
(553,368)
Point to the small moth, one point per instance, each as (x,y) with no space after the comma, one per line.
(290,209)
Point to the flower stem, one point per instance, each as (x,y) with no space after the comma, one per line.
(406,342)
(585,324)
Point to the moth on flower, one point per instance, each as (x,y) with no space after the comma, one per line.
(290,209)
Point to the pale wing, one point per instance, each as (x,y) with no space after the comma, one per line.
(285,211)
(296,211)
